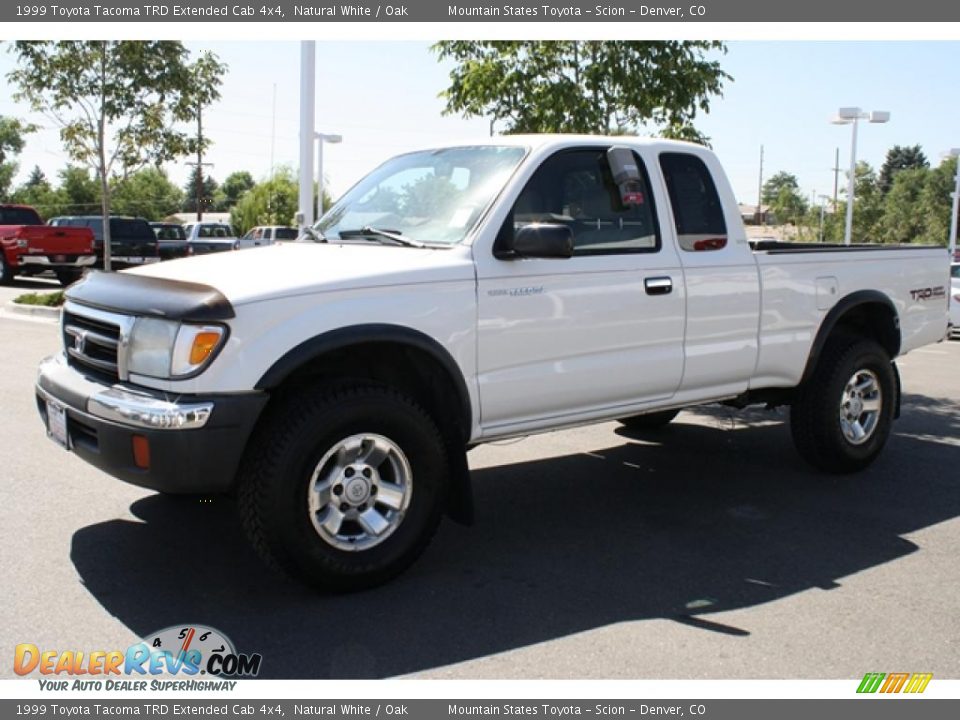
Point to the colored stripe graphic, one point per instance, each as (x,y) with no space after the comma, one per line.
(894,682)
(918,682)
(871,682)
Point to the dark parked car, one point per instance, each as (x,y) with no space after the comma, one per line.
(132,242)
(172,240)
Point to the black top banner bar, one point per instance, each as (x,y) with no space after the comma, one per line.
(618,11)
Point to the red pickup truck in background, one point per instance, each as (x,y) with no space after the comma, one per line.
(28,247)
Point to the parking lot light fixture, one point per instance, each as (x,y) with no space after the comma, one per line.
(952,239)
(321,139)
(852,116)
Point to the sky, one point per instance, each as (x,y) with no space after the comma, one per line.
(382,97)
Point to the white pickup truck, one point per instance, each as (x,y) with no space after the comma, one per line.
(466,294)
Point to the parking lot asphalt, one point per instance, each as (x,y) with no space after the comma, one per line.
(707,550)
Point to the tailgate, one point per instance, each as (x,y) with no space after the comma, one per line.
(44,239)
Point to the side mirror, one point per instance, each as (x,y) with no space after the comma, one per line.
(543,240)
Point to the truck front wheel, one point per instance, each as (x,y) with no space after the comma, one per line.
(843,414)
(343,487)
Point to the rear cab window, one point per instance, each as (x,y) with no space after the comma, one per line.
(697,210)
(19,216)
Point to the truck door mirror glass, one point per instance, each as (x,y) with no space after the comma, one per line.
(543,240)
(626,175)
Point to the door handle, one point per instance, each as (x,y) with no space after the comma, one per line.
(658,285)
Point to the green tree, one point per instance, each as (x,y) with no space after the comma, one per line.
(936,203)
(210,194)
(583,86)
(900,157)
(120,105)
(147,193)
(902,220)
(38,194)
(234,187)
(867,209)
(781,193)
(12,132)
(81,193)
(272,202)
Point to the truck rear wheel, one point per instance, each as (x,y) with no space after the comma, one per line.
(343,487)
(650,421)
(843,414)
(68,276)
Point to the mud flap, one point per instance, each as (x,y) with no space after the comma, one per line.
(896,406)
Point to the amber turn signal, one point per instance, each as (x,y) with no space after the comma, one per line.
(203,345)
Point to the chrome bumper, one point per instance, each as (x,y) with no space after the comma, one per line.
(59,382)
(43,260)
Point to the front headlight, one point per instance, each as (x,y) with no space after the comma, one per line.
(167,349)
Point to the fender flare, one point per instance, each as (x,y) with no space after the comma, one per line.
(833,316)
(460,499)
(344,337)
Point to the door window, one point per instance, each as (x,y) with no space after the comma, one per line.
(575,188)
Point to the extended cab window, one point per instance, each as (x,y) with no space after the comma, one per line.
(575,188)
(697,210)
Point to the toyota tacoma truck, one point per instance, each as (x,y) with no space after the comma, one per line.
(28,247)
(466,294)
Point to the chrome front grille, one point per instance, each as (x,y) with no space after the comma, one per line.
(94,339)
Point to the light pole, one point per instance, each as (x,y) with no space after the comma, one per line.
(308,69)
(852,116)
(952,240)
(321,139)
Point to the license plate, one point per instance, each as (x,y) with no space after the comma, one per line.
(57,424)
(60,258)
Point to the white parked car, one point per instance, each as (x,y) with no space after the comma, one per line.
(269,234)
(214,236)
(467,294)
(955,300)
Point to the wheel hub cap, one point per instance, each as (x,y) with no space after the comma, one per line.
(359,492)
(356,491)
(860,406)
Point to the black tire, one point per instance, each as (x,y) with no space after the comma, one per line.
(815,415)
(287,450)
(67,276)
(6,272)
(650,421)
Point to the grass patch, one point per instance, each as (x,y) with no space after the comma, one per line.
(54,299)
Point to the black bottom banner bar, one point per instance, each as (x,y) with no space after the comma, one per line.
(873,707)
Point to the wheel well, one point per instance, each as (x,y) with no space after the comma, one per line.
(869,314)
(410,369)
(875,320)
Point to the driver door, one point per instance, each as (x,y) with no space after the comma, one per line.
(581,336)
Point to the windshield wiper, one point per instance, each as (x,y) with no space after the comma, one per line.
(372,232)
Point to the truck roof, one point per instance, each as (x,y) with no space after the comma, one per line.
(558,140)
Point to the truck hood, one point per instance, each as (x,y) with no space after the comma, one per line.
(288,269)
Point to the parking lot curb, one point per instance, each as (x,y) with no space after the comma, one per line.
(35,311)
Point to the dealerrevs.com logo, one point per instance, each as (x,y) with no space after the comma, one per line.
(185,651)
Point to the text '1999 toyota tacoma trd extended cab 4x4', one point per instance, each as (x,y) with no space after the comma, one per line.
(466,294)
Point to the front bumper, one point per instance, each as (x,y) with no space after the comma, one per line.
(195,442)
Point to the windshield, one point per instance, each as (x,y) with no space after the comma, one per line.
(432,197)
